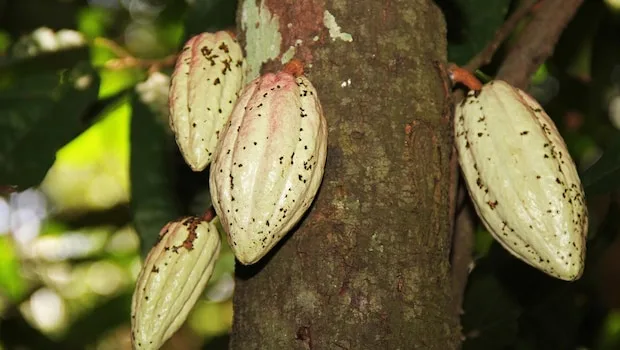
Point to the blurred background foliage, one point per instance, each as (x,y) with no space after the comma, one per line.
(89,173)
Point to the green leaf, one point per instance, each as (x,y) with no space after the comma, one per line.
(12,283)
(491,316)
(154,200)
(604,175)
(39,113)
(471,25)
(43,62)
(209,16)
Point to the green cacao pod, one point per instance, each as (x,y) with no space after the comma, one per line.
(207,78)
(522,180)
(269,163)
(173,277)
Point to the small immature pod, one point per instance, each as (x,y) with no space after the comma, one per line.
(173,277)
(522,180)
(205,84)
(269,164)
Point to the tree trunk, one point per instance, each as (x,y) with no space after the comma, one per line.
(368,267)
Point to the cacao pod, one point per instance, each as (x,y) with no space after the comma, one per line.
(521,178)
(173,277)
(206,81)
(269,163)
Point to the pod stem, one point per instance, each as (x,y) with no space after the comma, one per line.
(210,214)
(463,76)
(294,67)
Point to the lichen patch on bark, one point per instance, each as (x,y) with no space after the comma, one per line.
(262,36)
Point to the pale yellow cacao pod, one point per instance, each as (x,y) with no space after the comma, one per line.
(207,78)
(522,180)
(173,277)
(269,164)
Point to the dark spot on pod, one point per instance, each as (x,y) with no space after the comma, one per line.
(216,82)
(524,132)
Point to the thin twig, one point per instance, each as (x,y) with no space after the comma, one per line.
(126,60)
(133,62)
(117,49)
(485,56)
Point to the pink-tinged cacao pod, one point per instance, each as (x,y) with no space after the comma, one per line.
(269,163)
(207,78)
(173,277)
(522,180)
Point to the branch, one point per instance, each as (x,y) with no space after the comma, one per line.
(537,40)
(485,56)
(462,247)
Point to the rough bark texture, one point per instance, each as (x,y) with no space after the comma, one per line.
(368,267)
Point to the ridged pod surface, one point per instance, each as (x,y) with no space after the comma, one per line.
(521,178)
(207,78)
(269,164)
(174,274)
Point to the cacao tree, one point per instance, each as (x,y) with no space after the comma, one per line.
(390,253)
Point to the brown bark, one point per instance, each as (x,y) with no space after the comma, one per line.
(368,267)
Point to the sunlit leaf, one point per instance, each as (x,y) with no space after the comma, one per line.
(115,81)
(12,283)
(92,171)
(5,41)
(94,20)
(211,319)
(610,336)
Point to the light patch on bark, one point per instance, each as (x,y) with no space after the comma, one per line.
(262,36)
(334,29)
